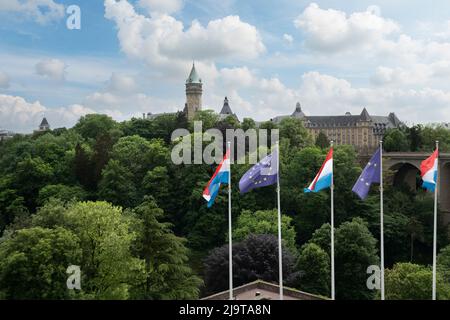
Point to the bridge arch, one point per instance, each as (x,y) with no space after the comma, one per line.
(406,173)
(405,169)
(445,189)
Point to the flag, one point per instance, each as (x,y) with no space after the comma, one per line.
(324,178)
(370,175)
(428,171)
(221,175)
(262,174)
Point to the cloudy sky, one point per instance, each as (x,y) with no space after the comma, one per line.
(132,57)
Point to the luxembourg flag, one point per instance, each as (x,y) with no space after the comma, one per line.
(220,176)
(324,178)
(428,171)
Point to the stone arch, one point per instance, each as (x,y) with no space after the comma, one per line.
(444,190)
(406,173)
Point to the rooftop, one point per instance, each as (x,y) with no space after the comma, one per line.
(193,76)
(262,290)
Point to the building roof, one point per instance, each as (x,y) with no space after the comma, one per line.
(226,108)
(193,76)
(379,123)
(44,123)
(298,113)
(365,115)
(262,290)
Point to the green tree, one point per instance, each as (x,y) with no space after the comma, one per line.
(314,266)
(415,137)
(407,281)
(208,118)
(264,222)
(293,130)
(139,155)
(109,269)
(33,263)
(117,185)
(168,276)
(396,140)
(12,205)
(101,155)
(322,140)
(355,251)
(443,263)
(248,123)
(30,176)
(255,258)
(62,192)
(83,168)
(429,136)
(157,184)
(93,125)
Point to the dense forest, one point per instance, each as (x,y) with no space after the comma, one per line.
(105,196)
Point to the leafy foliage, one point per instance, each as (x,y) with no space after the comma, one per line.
(254,258)
(407,281)
(43,177)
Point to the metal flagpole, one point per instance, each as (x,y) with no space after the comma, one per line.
(381,223)
(435,222)
(230,236)
(333,295)
(280,254)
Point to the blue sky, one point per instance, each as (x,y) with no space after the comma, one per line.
(132,57)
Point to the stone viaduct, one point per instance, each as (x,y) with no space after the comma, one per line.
(406,169)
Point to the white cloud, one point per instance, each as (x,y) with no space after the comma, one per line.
(20,115)
(335,30)
(51,68)
(333,96)
(123,107)
(4,80)
(121,83)
(288,39)
(163,41)
(42,11)
(237,77)
(161,6)
(251,95)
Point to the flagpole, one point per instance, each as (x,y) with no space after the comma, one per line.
(381,223)
(280,254)
(435,223)
(333,295)
(230,236)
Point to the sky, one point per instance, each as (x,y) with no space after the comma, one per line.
(131,57)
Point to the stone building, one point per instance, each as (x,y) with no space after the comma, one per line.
(44,126)
(364,131)
(226,111)
(262,290)
(5,135)
(194,91)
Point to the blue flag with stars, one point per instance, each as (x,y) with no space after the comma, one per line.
(371,174)
(262,174)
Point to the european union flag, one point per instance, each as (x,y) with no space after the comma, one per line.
(371,174)
(262,174)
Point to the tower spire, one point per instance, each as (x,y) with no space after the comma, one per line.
(194,91)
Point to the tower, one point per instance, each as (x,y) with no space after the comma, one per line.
(194,90)
(44,126)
